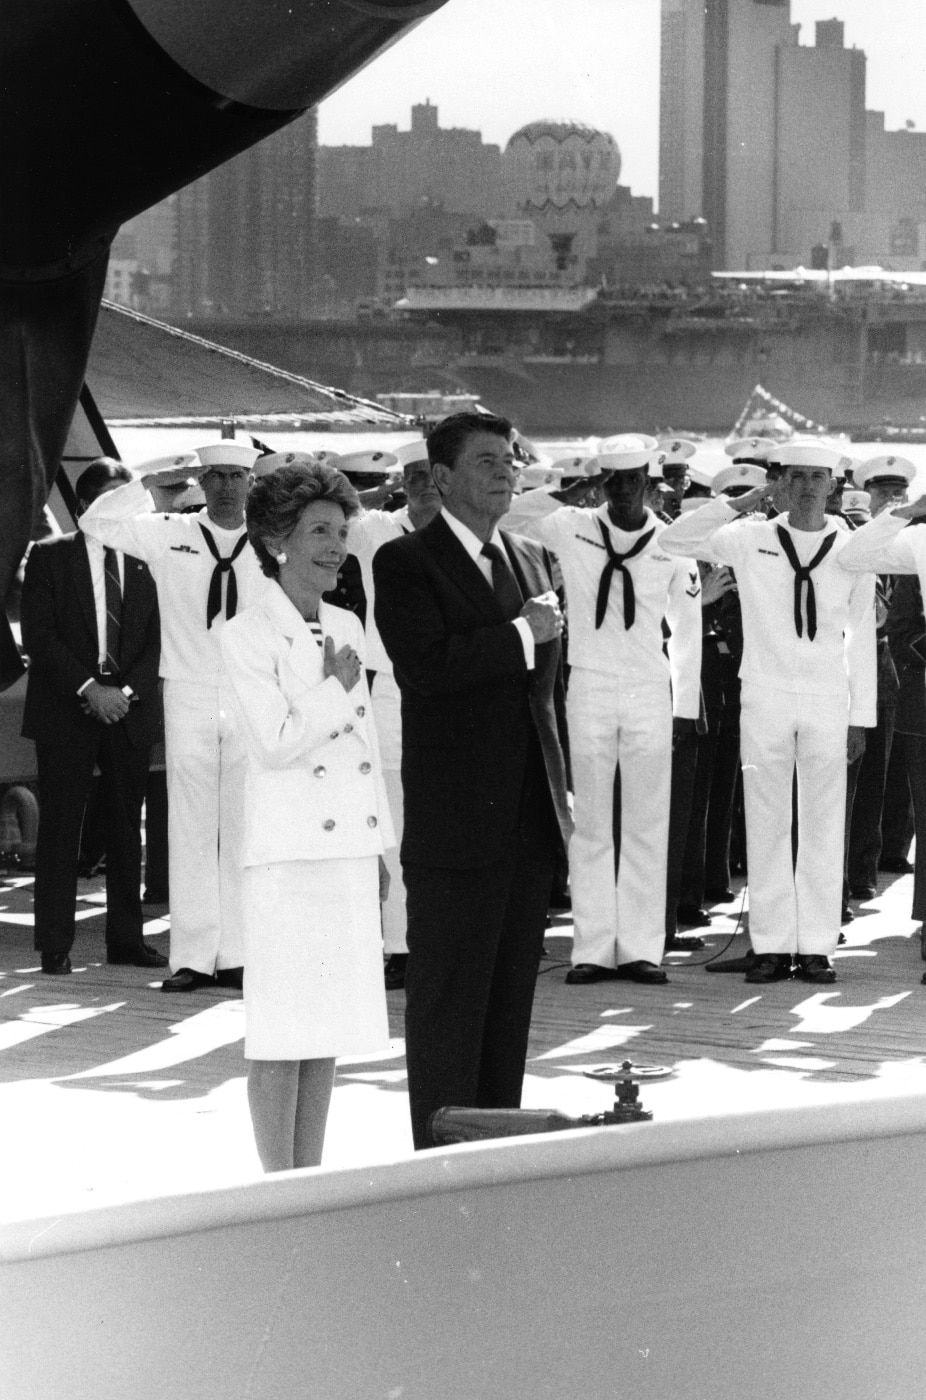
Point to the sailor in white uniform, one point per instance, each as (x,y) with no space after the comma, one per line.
(808,693)
(205,570)
(368,531)
(623,688)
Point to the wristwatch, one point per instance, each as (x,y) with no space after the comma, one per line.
(130,695)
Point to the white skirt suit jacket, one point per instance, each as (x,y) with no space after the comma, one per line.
(316,819)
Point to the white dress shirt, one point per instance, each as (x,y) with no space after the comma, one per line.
(473,546)
(95,553)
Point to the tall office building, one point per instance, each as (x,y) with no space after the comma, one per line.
(762,136)
(246,232)
(449,166)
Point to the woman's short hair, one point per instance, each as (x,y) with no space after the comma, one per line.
(276,503)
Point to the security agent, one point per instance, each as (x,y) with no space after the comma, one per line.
(90,628)
(809,688)
(205,570)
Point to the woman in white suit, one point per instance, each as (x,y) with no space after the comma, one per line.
(316,820)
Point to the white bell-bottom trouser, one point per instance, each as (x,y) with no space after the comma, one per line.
(387,715)
(206,764)
(611,722)
(794,908)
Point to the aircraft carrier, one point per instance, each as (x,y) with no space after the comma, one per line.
(581,360)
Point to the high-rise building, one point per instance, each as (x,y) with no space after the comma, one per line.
(768,139)
(246,232)
(449,166)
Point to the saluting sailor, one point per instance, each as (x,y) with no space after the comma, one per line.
(205,570)
(808,693)
(620,585)
(368,532)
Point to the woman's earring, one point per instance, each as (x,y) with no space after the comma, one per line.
(281,558)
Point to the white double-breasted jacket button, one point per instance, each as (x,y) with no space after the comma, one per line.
(334,735)
(348,729)
(371,821)
(329,824)
(320,771)
(366,767)
(361,710)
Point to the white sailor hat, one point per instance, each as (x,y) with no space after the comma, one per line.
(676,451)
(699,477)
(809,452)
(753,449)
(625,459)
(739,474)
(272,461)
(846,468)
(177,462)
(856,503)
(884,469)
(327,457)
(373,462)
(411,452)
(622,442)
(228,454)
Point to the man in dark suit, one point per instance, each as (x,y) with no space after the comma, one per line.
(468,616)
(90,627)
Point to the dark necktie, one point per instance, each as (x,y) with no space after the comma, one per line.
(222,566)
(113,590)
(801,576)
(616,563)
(504,583)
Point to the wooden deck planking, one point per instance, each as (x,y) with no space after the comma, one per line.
(173,1115)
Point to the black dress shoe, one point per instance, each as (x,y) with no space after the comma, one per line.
(895,865)
(770,967)
(680,943)
(142,956)
(154,896)
(641,971)
(863,892)
(55,964)
(186,980)
(692,916)
(583,973)
(720,895)
(230,977)
(814,967)
(394,971)
(847,915)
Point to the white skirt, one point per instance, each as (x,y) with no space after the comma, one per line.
(313,967)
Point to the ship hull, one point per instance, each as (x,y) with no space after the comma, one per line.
(624,375)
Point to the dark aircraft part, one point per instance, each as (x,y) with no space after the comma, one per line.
(106,107)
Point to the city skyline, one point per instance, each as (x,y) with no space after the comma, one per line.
(606,71)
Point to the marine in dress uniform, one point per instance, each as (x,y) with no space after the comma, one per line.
(204,569)
(623,687)
(368,532)
(809,685)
